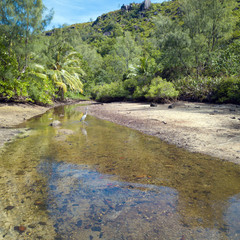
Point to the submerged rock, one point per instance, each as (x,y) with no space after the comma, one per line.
(96,229)
(55,123)
(8,208)
(20,229)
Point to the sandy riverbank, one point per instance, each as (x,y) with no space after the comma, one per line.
(14,114)
(207,128)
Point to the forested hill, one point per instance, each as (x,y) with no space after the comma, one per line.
(137,20)
(134,18)
(179,49)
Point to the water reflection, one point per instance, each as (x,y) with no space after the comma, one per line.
(84,202)
(106,181)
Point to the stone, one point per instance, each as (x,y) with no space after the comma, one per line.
(153,105)
(79,223)
(20,228)
(107,34)
(8,208)
(43,223)
(96,229)
(55,123)
(145,5)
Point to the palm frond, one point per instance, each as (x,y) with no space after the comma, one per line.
(72,81)
(70,62)
(41,75)
(39,67)
(75,70)
(62,85)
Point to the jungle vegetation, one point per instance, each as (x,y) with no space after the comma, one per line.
(179,49)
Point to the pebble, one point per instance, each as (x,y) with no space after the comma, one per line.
(38,202)
(8,208)
(96,229)
(79,223)
(31,226)
(87,226)
(43,223)
(20,229)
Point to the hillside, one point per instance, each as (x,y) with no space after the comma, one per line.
(136,20)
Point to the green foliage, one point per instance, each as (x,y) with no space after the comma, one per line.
(193,44)
(40,89)
(127,48)
(12,83)
(21,22)
(161,91)
(197,89)
(8,73)
(217,89)
(140,92)
(228,91)
(190,43)
(110,92)
(226,60)
(130,85)
(65,73)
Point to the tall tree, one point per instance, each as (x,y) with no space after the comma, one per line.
(209,22)
(191,43)
(21,21)
(127,48)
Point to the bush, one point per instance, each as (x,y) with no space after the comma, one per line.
(130,85)
(193,89)
(161,91)
(110,92)
(228,91)
(41,92)
(140,92)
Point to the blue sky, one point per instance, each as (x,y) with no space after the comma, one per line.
(79,11)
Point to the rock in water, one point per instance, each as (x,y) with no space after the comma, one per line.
(55,123)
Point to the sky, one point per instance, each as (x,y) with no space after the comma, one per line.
(80,11)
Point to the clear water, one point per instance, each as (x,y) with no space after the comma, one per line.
(103,181)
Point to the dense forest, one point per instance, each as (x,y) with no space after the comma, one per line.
(179,49)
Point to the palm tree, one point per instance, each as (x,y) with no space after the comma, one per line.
(65,73)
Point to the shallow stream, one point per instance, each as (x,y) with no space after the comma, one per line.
(98,180)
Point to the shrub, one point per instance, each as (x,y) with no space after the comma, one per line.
(193,89)
(110,92)
(130,85)
(40,91)
(228,91)
(140,92)
(161,91)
